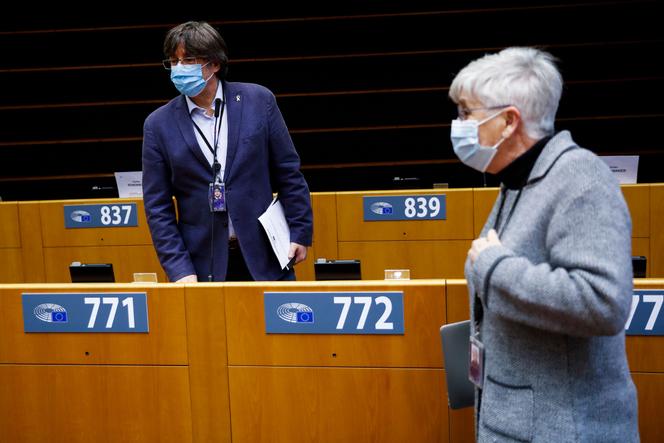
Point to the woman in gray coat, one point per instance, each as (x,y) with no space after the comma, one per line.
(550,277)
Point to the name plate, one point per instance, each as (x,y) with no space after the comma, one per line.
(101,216)
(644,318)
(85,312)
(334,313)
(404,207)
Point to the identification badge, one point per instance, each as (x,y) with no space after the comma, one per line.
(476,363)
(217,197)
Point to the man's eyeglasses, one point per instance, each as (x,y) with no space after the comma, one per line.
(464,113)
(170,62)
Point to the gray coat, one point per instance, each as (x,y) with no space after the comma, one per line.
(555,300)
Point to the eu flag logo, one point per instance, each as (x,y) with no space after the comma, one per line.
(304,317)
(59,317)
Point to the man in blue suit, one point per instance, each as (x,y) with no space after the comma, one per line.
(221,149)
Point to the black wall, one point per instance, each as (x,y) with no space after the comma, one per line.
(362,86)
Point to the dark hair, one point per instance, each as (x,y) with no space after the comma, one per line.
(199,40)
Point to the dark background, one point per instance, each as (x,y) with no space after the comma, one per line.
(362,85)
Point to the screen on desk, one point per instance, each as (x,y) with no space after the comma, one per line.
(91,272)
(337,269)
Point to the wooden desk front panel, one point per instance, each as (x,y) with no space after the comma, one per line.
(458,225)
(72,404)
(125,259)
(330,405)
(483,201)
(248,344)
(10,234)
(208,370)
(324,205)
(650,388)
(656,258)
(55,234)
(11,265)
(164,345)
(425,259)
(637,198)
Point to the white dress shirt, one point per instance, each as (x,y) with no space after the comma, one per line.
(206,124)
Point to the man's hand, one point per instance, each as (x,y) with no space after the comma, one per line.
(298,251)
(188,279)
(482,243)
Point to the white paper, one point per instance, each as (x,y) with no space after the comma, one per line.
(276,227)
(625,167)
(130,184)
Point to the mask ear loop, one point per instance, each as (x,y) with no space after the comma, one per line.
(211,75)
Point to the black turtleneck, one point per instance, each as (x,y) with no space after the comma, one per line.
(515,175)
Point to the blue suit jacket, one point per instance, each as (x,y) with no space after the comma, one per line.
(260,159)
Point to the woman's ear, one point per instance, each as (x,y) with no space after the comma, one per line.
(512,121)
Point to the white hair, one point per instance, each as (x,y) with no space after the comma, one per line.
(526,78)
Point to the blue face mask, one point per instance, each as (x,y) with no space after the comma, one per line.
(466,143)
(188,79)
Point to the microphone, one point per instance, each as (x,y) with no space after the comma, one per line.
(217,107)
(216,167)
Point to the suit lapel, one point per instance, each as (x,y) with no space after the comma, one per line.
(234,106)
(187,131)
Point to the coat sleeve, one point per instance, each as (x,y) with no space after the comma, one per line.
(160,209)
(290,184)
(585,286)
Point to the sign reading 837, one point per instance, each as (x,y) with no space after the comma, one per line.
(100,216)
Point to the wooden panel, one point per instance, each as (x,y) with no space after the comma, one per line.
(11,267)
(483,201)
(458,225)
(31,239)
(126,260)
(324,205)
(656,259)
(424,312)
(9,232)
(165,344)
(458,306)
(321,405)
(425,259)
(70,404)
(208,373)
(55,234)
(644,352)
(304,271)
(650,389)
(462,425)
(637,198)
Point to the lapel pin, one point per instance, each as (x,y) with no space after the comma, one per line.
(237,98)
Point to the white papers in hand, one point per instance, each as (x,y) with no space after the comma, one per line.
(276,228)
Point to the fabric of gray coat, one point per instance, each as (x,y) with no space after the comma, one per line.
(555,296)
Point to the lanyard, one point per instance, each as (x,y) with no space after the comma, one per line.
(478,310)
(216,167)
(503,197)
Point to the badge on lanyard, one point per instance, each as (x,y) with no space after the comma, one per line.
(217,197)
(476,363)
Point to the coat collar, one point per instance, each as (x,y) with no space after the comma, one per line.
(187,129)
(557,146)
(234,105)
